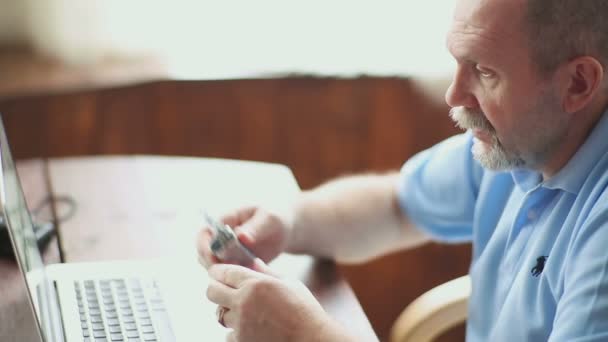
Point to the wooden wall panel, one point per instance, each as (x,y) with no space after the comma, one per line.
(320,127)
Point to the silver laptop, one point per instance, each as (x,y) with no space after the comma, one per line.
(110,301)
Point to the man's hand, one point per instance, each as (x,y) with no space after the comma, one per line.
(264,233)
(261,307)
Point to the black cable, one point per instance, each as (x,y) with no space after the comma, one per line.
(44,227)
(49,188)
(49,200)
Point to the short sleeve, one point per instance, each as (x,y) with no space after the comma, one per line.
(582,308)
(438,189)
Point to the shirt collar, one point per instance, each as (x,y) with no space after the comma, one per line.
(525,179)
(572,176)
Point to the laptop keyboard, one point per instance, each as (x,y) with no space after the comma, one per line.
(122,310)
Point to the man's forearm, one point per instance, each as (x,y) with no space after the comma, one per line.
(352,219)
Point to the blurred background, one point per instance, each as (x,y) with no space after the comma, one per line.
(326,88)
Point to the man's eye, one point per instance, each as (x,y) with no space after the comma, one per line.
(483,72)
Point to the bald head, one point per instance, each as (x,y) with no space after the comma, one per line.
(493,9)
(497,21)
(556,31)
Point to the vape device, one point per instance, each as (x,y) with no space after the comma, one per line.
(226,246)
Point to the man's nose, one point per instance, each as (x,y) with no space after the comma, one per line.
(460,93)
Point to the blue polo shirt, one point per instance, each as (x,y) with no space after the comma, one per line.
(540,249)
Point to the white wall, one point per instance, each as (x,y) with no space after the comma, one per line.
(328,37)
(230,38)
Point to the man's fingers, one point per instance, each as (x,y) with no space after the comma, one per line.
(221,294)
(205,257)
(230,317)
(260,266)
(231,275)
(238,217)
(204,262)
(231,337)
(249,232)
(202,240)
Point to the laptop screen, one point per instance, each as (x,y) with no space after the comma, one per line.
(24,324)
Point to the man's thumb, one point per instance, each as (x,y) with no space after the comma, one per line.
(248,232)
(260,266)
(246,238)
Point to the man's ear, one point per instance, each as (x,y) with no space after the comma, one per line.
(581,79)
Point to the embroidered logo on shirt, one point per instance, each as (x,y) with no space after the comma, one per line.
(540,265)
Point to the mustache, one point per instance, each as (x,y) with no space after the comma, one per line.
(466,118)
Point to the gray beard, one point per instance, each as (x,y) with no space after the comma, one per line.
(493,157)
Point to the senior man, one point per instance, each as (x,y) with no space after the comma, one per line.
(527,184)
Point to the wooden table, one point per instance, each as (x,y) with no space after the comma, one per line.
(139,207)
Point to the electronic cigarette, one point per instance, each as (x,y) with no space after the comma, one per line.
(226,246)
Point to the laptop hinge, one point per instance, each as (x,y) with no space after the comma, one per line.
(51,319)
